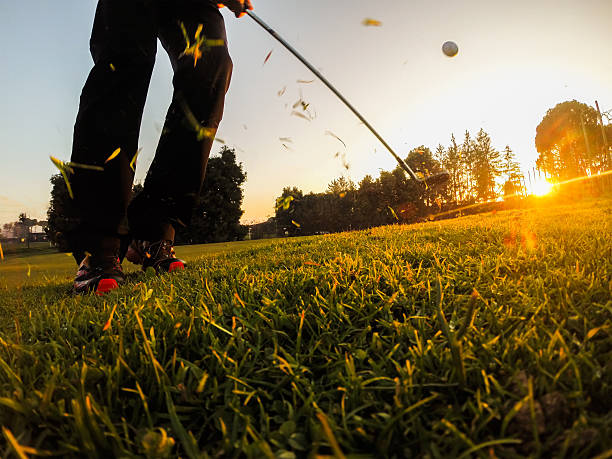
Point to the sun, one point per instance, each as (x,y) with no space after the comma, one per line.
(541,187)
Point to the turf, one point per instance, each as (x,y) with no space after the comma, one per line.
(42,265)
(480,336)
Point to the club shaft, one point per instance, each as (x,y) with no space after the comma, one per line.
(331,87)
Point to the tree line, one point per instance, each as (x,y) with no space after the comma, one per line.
(571,141)
(475,167)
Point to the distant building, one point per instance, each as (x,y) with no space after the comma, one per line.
(18,232)
(39,237)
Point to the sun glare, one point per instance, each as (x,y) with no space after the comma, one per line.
(541,187)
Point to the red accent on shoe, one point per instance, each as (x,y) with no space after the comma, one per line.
(176,265)
(106,285)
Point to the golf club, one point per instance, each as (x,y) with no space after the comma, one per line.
(432,180)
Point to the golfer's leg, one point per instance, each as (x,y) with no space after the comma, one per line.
(123,46)
(175,177)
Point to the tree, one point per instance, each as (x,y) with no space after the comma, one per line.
(467,168)
(27,223)
(421,160)
(340,185)
(368,204)
(487,166)
(8,230)
(453,166)
(61,215)
(440,154)
(217,213)
(511,171)
(15,230)
(510,167)
(263,229)
(289,211)
(569,141)
(340,204)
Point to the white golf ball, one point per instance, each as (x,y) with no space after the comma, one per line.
(450,48)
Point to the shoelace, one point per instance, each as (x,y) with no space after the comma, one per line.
(104,263)
(161,250)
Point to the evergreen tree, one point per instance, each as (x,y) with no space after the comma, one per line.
(487,166)
(511,171)
(440,154)
(454,166)
(445,191)
(340,185)
(368,203)
(467,168)
(341,197)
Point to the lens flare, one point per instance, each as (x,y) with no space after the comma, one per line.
(541,187)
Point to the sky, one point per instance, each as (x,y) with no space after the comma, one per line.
(516,60)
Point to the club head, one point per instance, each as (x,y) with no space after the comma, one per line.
(437,179)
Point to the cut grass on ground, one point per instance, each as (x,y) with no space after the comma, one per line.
(485,335)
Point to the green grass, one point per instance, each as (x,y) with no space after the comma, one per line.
(20,248)
(42,265)
(371,343)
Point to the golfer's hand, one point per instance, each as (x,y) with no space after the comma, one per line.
(238,7)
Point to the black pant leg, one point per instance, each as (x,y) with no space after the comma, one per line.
(175,177)
(123,46)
